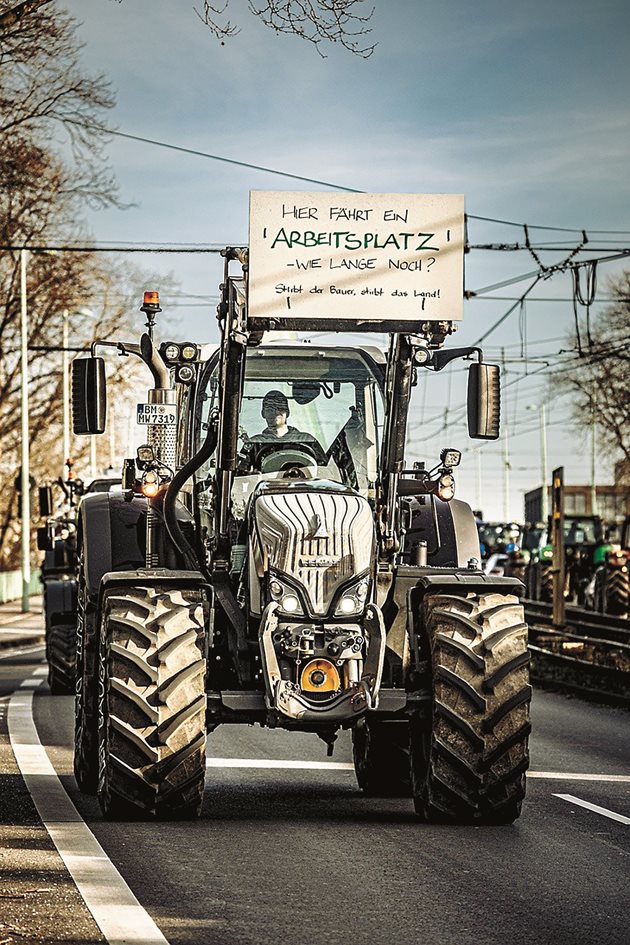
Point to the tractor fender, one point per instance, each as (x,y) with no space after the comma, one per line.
(61,600)
(111,532)
(466,533)
(448,528)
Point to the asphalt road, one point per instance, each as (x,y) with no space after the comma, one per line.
(295,854)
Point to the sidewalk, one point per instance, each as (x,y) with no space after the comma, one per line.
(18,629)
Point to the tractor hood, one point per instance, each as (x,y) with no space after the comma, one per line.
(318,535)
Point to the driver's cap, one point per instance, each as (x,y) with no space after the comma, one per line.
(276,399)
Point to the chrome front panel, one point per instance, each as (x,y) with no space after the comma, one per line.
(320,539)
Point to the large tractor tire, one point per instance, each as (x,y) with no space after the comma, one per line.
(468,760)
(86,692)
(617,599)
(545,583)
(152,703)
(61,642)
(380,751)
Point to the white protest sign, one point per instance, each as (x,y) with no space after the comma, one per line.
(360,256)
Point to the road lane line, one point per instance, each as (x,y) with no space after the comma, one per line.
(279,764)
(273,763)
(574,776)
(593,807)
(41,671)
(117,912)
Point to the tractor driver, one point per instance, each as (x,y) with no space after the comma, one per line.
(275,412)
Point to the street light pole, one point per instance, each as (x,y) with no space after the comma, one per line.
(66,393)
(25,498)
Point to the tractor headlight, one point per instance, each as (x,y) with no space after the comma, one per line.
(287,599)
(352,600)
(446,487)
(171,352)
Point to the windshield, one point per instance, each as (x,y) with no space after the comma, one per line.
(305,413)
(581,531)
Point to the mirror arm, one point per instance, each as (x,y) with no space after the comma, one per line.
(441,358)
(146,353)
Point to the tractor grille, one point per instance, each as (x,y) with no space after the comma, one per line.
(320,539)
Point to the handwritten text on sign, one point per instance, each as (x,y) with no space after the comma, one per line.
(361,256)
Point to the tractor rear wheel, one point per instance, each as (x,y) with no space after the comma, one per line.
(380,751)
(468,762)
(546,583)
(61,642)
(152,703)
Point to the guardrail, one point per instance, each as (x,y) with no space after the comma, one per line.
(11,585)
(589,655)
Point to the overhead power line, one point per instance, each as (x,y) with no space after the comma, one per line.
(72,248)
(535,226)
(226,160)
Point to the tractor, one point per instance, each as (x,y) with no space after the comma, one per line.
(298,577)
(609,590)
(583,535)
(57,539)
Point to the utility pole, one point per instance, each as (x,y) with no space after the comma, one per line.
(543,462)
(112,436)
(25,498)
(593,464)
(506,454)
(557,540)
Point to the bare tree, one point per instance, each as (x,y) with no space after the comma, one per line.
(598,380)
(45,97)
(46,101)
(316,21)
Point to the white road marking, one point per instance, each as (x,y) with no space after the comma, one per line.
(40,671)
(272,763)
(620,818)
(575,776)
(117,912)
(30,683)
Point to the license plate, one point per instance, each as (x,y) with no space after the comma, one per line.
(162,415)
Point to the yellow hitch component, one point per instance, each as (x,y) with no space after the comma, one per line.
(320,676)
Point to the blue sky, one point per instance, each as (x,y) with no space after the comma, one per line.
(522,108)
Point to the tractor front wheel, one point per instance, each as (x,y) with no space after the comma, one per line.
(468,761)
(152,703)
(617,600)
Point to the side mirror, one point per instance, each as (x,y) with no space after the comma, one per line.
(89,396)
(45,502)
(484,401)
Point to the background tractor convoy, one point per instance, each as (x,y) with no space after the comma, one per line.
(269,557)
